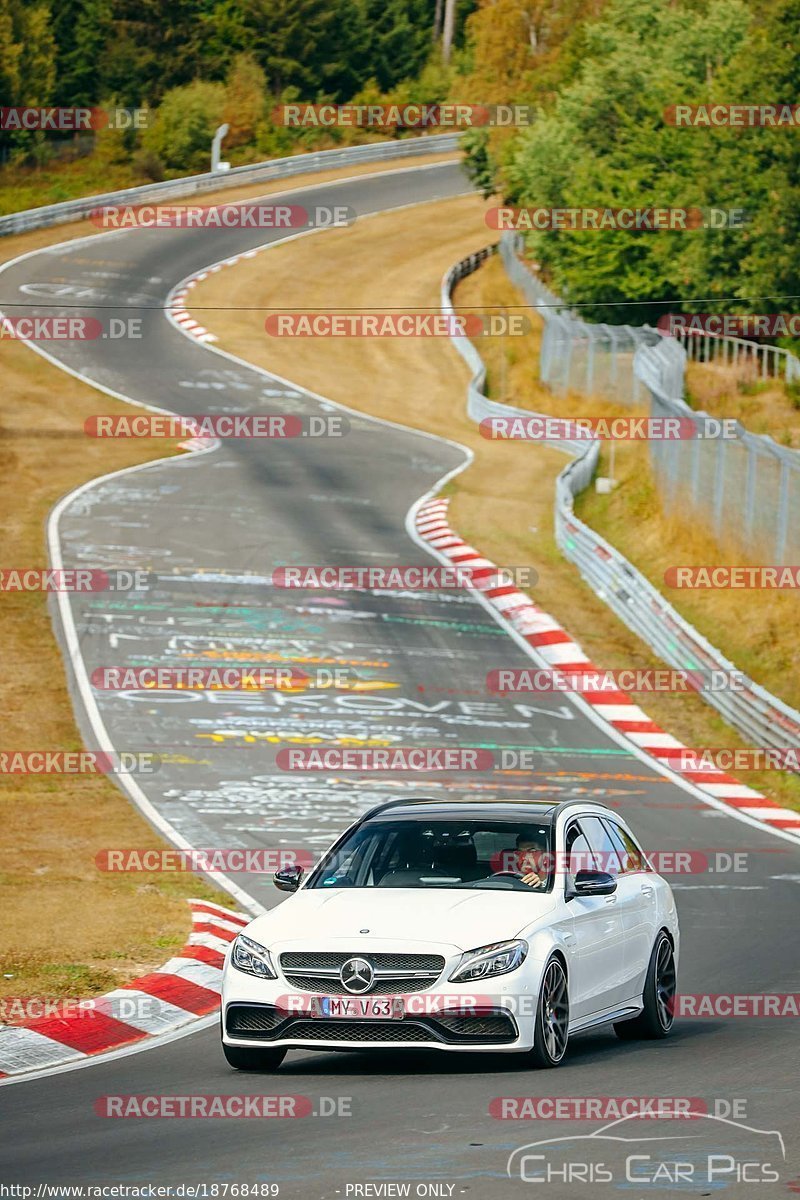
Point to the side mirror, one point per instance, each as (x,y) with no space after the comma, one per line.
(288,880)
(592,883)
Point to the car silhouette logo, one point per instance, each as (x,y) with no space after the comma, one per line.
(357,975)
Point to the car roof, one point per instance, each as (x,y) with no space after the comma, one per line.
(424,808)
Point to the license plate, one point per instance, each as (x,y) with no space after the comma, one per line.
(358,1008)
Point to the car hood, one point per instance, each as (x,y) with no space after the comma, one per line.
(461,918)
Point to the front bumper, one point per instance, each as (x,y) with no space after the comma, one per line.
(445,1016)
(264,1024)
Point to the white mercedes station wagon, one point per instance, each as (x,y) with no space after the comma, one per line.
(458,925)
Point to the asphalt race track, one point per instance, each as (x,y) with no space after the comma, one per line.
(210,528)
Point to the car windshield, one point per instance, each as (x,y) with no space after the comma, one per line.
(503,855)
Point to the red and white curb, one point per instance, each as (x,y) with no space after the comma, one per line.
(185,988)
(555,646)
(178,300)
(185,319)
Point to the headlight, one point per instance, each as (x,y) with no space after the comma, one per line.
(498,959)
(253,959)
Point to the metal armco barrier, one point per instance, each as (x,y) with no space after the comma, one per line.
(745,488)
(761,718)
(726,351)
(190,185)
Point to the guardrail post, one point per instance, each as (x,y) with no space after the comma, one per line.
(719,485)
(750,491)
(783,513)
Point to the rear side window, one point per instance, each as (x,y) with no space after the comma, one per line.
(630,854)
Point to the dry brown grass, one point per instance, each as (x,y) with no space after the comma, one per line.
(761,405)
(504,502)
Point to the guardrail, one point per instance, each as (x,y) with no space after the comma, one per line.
(726,351)
(744,486)
(189,185)
(763,719)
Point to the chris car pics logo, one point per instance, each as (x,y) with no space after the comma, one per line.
(658,1155)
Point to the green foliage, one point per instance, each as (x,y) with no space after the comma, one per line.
(601,141)
(180,136)
(604,143)
(480,167)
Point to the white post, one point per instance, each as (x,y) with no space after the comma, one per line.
(216,146)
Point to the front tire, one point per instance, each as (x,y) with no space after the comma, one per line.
(656,1018)
(254,1058)
(551,1032)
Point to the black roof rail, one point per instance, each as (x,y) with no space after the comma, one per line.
(563,805)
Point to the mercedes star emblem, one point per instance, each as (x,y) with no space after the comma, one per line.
(357,975)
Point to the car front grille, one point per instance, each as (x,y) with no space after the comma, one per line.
(394,973)
(309,960)
(358,1031)
(331,985)
(247,1020)
(495,1028)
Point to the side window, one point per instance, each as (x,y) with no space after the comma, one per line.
(579,853)
(630,854)
(601,843)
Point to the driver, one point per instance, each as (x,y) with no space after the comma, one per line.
(527,860)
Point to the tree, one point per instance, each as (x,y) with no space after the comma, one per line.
(245,92)
(605,143)
(10,51)
(181,133)
(82,31)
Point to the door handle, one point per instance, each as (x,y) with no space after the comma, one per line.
(646,889)
(611,899)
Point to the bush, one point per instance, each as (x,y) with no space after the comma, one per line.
(181,134)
